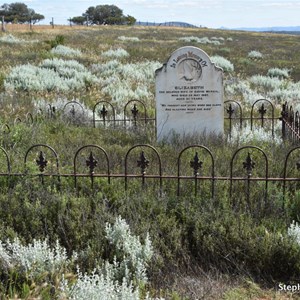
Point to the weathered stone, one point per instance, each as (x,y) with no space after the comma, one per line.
(189,95)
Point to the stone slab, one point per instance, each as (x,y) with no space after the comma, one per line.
(189,95)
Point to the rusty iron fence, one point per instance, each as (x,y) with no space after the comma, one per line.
(136,114)
(262,113)
(290,123)
(195,172)
(103,113)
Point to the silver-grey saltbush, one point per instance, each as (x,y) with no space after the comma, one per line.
(124,82)
(294,232)
(222,62)
(266,82)
(280,73)
(34,259)
(66,51)
(257,134)
(255,54)
(128,38)
(10,39)
(51,75)
(202,40)
(117,280)
(117,53)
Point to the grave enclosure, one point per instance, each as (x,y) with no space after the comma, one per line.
(189,99)
(189,95)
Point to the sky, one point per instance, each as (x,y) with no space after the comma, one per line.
(207,13)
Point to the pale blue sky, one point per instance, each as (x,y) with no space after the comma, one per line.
(209,13)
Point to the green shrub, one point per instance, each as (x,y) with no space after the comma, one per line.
(59,40)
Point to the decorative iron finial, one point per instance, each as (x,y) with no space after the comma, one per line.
(262,111)
(143,163)
(196,164)
(249,164)
(103,112)
(230,111)
(91,162)
(135,111)
(73,111)
(41,161)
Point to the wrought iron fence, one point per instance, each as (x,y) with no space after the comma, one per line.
(262,113)
(290,123)
(197,170)
(135,114)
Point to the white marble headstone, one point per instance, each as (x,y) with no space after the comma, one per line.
(189,95)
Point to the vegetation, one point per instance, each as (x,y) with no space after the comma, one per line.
(19,13)
(139,243)
(103,14)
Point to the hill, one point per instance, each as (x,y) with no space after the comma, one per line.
(171,24)
(286,29)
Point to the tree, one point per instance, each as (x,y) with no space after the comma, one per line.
(130,20)
(104,14)
(35,18)
(78,20)
(19,12)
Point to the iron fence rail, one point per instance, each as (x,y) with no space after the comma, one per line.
(201,170)
(136,166)
(135,114)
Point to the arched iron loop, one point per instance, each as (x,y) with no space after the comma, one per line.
(5,128)
(196,164)
(72,111)
(29,118)
(42,162)
(249,165)
(143,163)
(7,159)
(262,111)
(135,111)
(17,120)
(103,112)
(285,169)
(230,111)
(91,163)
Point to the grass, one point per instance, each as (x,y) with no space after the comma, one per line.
(203,248)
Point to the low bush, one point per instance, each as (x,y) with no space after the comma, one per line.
(281,73)
(58,40)
(203,40)
(117,53)
(40,266)
(61,50)
(223,63)
(50,76)
(255,54)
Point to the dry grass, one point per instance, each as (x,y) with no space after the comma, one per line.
(157,43)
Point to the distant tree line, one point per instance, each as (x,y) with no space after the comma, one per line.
(95,15)
(103,15)
(19,13)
